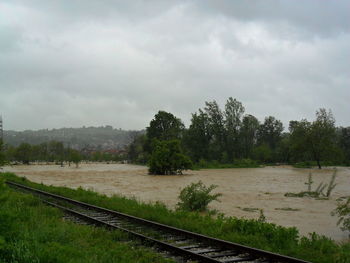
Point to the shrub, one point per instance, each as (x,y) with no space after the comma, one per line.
(343,212)
(196,197)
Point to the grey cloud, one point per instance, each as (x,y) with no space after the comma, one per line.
(74,63)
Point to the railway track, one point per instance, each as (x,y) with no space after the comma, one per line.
(184,244)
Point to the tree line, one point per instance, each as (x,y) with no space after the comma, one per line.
(51,152)
(230,136)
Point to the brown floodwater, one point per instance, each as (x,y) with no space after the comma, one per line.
(261,188)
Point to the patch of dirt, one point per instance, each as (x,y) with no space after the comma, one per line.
(262,188)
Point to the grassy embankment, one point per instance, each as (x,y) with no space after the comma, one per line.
(249,232)
(31,232)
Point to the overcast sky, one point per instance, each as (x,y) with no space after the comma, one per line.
(73,63)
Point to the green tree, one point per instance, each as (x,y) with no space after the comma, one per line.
(136,151)
(167,158)
(299,140)
(316,140)
(75,157)
(322,136)
(233,121)
(165,126)
(263,153)
(23,153)
(270,132)
(216,129)
(248,135)
(197,138)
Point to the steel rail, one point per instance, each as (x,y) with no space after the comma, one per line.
(225,245)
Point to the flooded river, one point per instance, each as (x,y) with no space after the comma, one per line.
(244,190)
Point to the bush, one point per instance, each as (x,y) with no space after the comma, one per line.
(196,197)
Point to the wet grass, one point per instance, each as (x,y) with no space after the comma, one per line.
(261,235)
(31,232)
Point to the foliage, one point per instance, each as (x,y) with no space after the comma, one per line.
(343,212)
(197,138)
(315,140)
(31,232)
(263,153)
(23,153)
(75,157)
(233,122)
(221,136)
(271,237)
(196,197)
(164,126)
(167,158)
(344,143)
(270,132)
(248,134)
(136,151)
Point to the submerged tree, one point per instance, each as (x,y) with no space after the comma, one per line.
(167,158)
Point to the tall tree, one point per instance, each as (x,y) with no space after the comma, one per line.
(197,137)
(322,136)
(270,132)
(23,153)
(299,140)
(248,134)
(233,121)
(316,140)
(216,129)
(165,126)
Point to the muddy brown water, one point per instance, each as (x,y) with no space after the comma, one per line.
(256,188)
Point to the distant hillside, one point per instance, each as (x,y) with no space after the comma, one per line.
(98,138)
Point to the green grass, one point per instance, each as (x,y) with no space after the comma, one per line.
(31,232)
(248,232)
